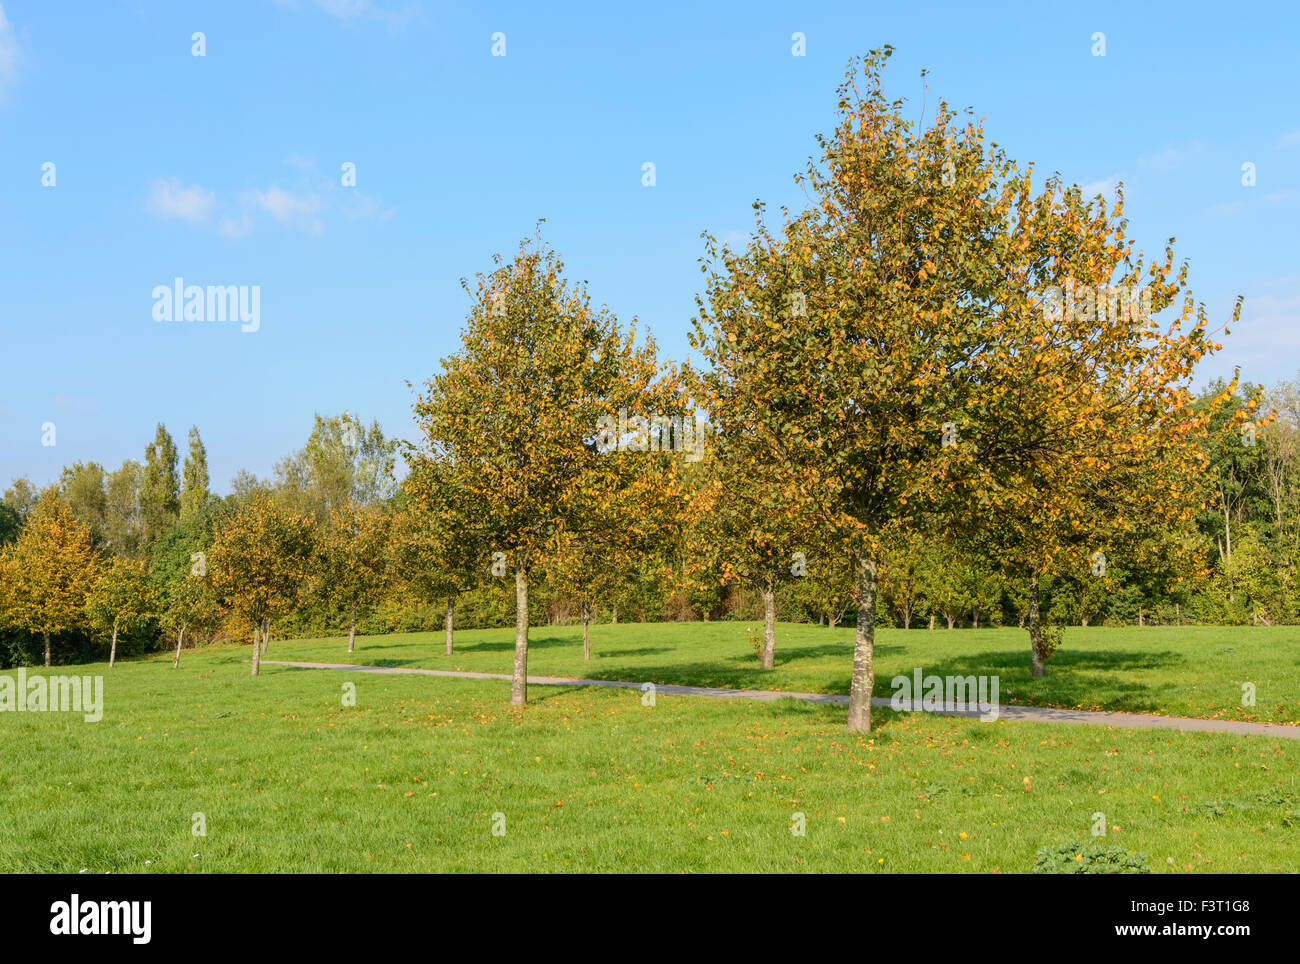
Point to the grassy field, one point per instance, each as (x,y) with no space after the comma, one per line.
(1173,671)
(411,778)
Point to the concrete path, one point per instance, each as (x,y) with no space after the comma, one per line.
(1033,714)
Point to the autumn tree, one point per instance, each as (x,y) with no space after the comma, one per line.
(353,560)
(921,383)
(258,564)
(513,417)
(194,482)
(159,486)
(121,600)
(49,571)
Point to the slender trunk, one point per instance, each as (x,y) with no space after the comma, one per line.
(586,638)
(863,669)
(1140,622)
(352,628)
(932,620)
(451,621)
(112,648)
(180,637)
(257,649)
(1083,620)
(519,683)
(1035,630)
(266,635)
(821,619)
(975,619)
(948,616)
(907,619)
(769,627)
(46,637)
(614,620)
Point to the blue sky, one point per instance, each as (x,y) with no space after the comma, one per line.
(225,169)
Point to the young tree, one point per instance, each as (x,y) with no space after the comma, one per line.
(188,607)
(194,485)
(342,462)
(49,571)
(353,560)
(512,420)
(159,488)
(923,377)
(259,564)
(121,600)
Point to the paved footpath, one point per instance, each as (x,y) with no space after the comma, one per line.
(1033,714)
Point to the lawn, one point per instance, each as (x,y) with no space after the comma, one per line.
(412,777)
(1173,671)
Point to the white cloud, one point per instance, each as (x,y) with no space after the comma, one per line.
(1289,139)
(311,203)
(285,206)
(1284,196)
(8,56)
(1171,158)
(1230,207)
(1106,188)
(170,200)
(235,228)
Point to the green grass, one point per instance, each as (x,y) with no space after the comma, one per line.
(591,780)
(1172,671)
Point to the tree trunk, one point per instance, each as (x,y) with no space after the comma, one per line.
(833,621)
(586,638)
(266,635)
(519,682)
(1083,620)
(1035,630)
(46,637)
(769,627)
(451,621)
(932,620)
(112,648)
(180,637)
(821,619)
(614,620)
(948,616)
(257,649)
(974,619)
(352,628)
(863,669)
(1140,622)
(907,619)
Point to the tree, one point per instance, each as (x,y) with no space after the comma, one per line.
(82,486)
(49,571)
(342,462)
(756,532)
(436,552)
(188,606)
(353,556)
(259,563)
(22,497)
(194,486)
(159,487)
(123,517)
(512,420)
(120,600)
(922,383)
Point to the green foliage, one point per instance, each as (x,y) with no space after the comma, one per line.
(1082,857)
